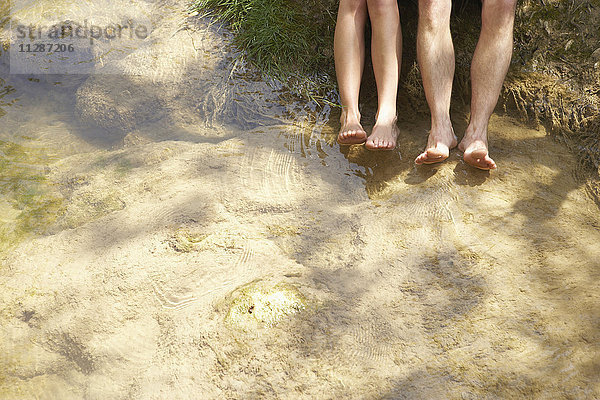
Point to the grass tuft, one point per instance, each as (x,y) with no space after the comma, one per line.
(282,39)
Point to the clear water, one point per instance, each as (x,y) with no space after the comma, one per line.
(191,232)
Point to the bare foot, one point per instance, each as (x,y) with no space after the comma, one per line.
(383,137)
(476,153)
(439,143)
(352,131)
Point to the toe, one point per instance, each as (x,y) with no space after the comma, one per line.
(490,163)
(351,136)
(431,156)
(482,162)
(433,153)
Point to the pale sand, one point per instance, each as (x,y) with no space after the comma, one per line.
(211,261)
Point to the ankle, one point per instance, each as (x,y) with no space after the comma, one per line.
(440,119)
(349,115)
(385,118)
(473,133)
(445,130)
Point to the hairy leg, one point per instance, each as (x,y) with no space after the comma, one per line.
(349,54)
(386,51)
(435,53)
(488,70)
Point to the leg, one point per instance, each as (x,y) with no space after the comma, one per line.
(435,53)
(386,49)
(488,70)
(349,54)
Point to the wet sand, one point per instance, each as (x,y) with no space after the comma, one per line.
(211,242)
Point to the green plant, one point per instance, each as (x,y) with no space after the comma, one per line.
(282,39)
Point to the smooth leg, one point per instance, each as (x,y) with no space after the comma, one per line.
(386,51)
(435,53)
(488,70)
(349,54)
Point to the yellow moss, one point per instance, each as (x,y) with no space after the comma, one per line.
(30,202)
(185,241)
(88,206)
(260,304)
(280,230)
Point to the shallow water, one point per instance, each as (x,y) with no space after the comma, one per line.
(200,238)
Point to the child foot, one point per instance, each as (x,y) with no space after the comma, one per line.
(352,131)
(384,136)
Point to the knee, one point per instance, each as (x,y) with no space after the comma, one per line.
(498,13)
(434,14)
(503,7)
(353,6)
(382,7)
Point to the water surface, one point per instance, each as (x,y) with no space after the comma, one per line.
(188,232)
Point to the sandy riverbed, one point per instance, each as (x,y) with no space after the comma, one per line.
(214,243)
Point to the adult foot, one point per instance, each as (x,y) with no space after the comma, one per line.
(383,136)
(476,153)
(439,143)
(352,131)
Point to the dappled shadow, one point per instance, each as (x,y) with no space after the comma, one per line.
(420,174)
(437,281)
(465,174)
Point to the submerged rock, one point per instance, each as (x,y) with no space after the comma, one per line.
(262,304)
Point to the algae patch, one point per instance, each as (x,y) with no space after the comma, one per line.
(28,201)
(89,205)
(185,241)
(262,304)
(284,230)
